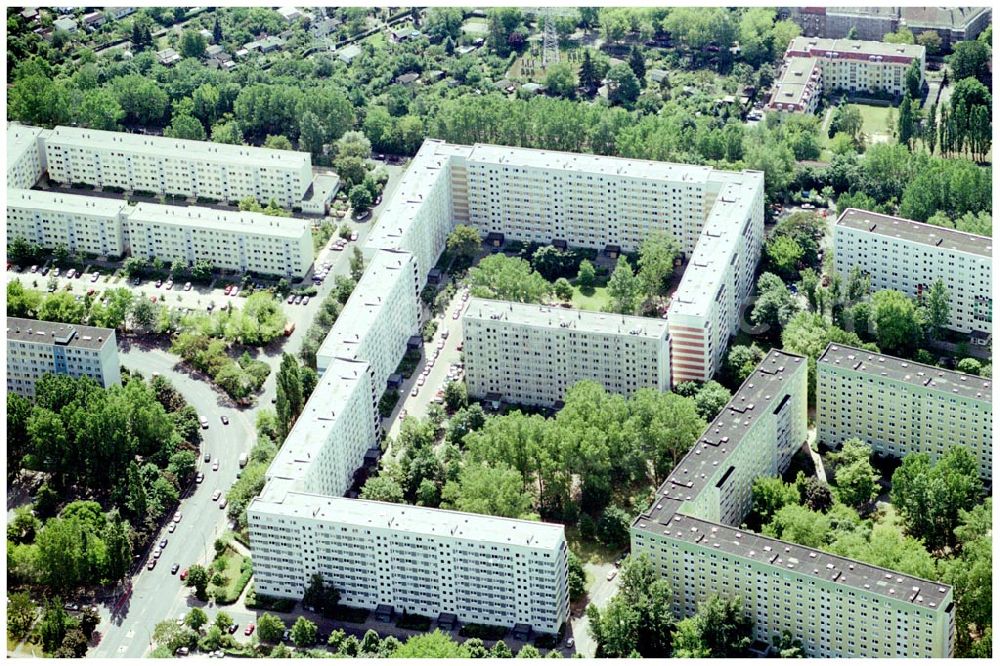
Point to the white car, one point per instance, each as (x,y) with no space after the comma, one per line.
(420,381)
(156,553)
(415,391)
(95,276)
(216,495)
(177,517)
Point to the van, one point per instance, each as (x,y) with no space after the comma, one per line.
(243,460)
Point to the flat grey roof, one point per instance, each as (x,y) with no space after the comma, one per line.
(903,371)
(320,419)
(51,332)
(723,435)
(405,518)
(546,316)
(588,163)
(844,47)
(951,18)
(20,139)
(916,232)
(237,221)
(366,302)
(159,146)
(59,202)
(794,558)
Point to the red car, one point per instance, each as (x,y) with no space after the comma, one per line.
(184,574)
(228,288)
(249,629)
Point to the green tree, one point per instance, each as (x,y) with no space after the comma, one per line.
(563,289)
(277,142)
(902,36)
(198,579)
(507,278)
(931,496)
(784,254)
(304,633)
(637,64)
(434,645)
(770,495)
(193,44)
(321,596)
(624,288)
(382,489)
(969,366)
(585,277)
(185,126)
(937,308)
(720,628)
(494,491)
(775,305)
(360,198)
(856,479)
(464,242)
(21,614)
(906,122)
(969,59)
(590,80)
(970,574)
(99,109)
(787,646)
(196,619)
(656,262)
(898,322)
(623,86)
(560,80)
(270,628)
(53,625)
(639,618)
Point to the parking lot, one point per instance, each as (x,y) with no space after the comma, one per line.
(440,357)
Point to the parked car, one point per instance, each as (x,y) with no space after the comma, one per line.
(233,627)
(156,553)
(216,495)
(159,283)
(228,289)
(199,477)
(33,269)
(415,391)
(177,516)
(94,277)
(136,282)
(354,235)
(215,466)
(171,527)
(204,422)
(235,291)
(184,574)
(169,285)
(208,457)
(150,565)
(612,574)
(305,300)
(174,569)
(249,629)
(298,299)
(187,286)
(163,542)
(224,419)
(570,643)
(223,502)
(71,273)
(291,299)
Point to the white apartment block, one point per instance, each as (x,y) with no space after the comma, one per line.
(706,308)
(799,86)
(854,66)
(899,407)
(596,202)
(332,434)
(531,354)
(37,348)
(378,319)
(910,257)
(835,606)
(176,166)
(230,240)
(424,208)
(25,157)
(485,570)
(82,224)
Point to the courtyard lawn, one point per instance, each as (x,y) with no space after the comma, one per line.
(235,570)
(595,302)
(875,121)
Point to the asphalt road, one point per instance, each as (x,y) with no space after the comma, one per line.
(438,377)
(158,595)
